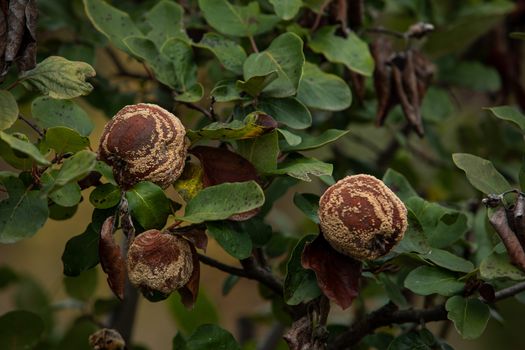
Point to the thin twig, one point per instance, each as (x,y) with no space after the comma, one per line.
(31,124)
(254,45)
(381,30)
(204,111)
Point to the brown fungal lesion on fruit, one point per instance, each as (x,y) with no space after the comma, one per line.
(144,142)
(159,262)
(361,217)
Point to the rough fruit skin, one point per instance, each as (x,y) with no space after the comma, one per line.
(144,142)
(361,217)
(159,262)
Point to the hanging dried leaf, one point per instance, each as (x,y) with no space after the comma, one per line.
(21,33)
(337,274)
(519,219)
(195,234)
(190,291)
(382,51)
(125,220)
(355,13)
(499,221)
(111,258)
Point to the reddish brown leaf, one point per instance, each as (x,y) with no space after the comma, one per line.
(111,258)
(196,235)
(337,274)
(267,122)
(190,291)
(221,165)
(358,83)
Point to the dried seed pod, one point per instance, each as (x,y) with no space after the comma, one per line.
(159,262)
(144,142)
(361,217)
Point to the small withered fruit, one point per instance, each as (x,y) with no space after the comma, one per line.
(159,262)
(144,142)
(361,217)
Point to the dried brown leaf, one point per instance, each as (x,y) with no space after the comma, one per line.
(382,51)
(111,258)
(190,291)
(499,221)
(301,336)
(337,274)
(196,235)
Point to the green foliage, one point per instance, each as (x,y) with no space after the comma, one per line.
(288,90)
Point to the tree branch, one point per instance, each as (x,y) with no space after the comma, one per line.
(31,125)
(249,271)
(389,314)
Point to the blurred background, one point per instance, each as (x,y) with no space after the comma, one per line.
(477,66)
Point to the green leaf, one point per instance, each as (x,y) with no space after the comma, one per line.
(481,173)
(399,185)
(179,54)
(473,75)
(110,21)
(76,167)
(236,20)
(66,196)
(300,284)
(284,55)
(301,167)
(20,330)
(426,280)
(148,205)
(64,140)
(262,151)
(286,9)
(308,203)
(511,114)
(393,291)
(309,142)
(517,35)
(288,111)
(105,196)
(210,336)
(437,105)
(254,125)
(448,261)
(222,201)
(144,49)
(237,243)
(498,266)
(193,94)
(230,54)
(23,213)
(60,78)
(166,22)
(50,113)
(189,320)
(82,287)
(470,316)
(75,337)
(20,144)
(257,83)
(290,138)
(321,90)
(442,226)
(350,51)
(226,91)
(81,252)
(31,296)
(8,109)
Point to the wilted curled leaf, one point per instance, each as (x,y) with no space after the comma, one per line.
(18,24)
(190,291)
(59,78)
(111,258)
(254,125)
(337,274)
(195,234)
